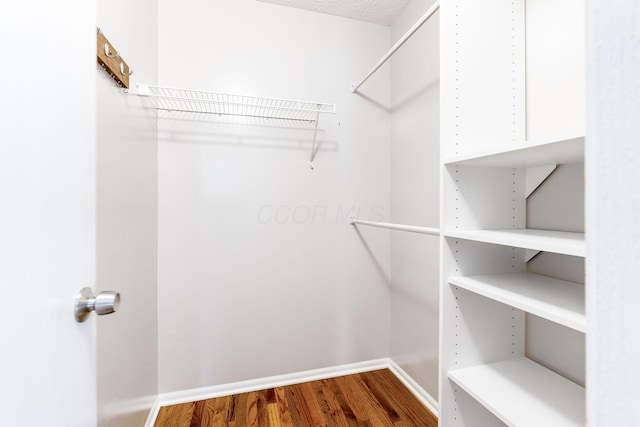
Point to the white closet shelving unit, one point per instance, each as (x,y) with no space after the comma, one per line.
(487,378)
(223,104)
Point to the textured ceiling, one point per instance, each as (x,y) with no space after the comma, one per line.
(376,11)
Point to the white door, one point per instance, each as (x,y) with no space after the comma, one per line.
(47,212)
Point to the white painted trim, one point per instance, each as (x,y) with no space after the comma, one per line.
(153,413)
(203,393)
(420,393)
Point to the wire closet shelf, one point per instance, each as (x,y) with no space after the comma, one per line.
(195,101)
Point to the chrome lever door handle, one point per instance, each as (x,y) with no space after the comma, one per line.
(106,302)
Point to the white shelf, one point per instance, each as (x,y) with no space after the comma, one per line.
(552,299)
(527,155)
(561,242)
(524,394)
(195,101)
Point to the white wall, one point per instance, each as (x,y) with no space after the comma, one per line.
(127,220)
(415,193)
(259,272)
(613,203)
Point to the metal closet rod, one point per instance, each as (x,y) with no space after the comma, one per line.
(385,58)
(399,227)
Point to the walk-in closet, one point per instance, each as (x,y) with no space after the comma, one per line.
(320,213)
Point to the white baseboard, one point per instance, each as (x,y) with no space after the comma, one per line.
(420,393)
(153,414)
(212,392)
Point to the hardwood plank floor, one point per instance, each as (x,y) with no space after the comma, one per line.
(370,399)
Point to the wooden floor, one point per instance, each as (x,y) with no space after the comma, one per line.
(373,399)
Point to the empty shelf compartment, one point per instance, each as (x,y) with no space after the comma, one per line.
(524,394)
(552,299)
